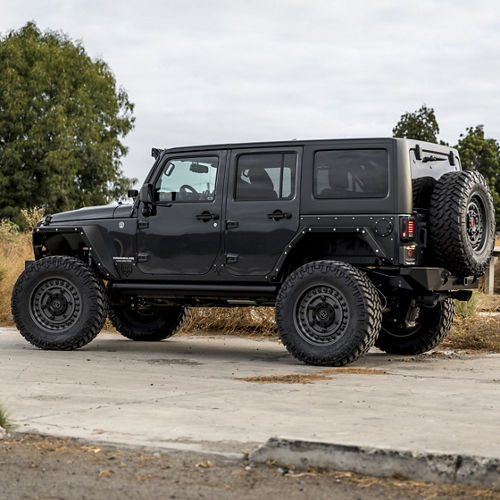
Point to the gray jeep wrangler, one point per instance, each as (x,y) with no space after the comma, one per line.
(356,242)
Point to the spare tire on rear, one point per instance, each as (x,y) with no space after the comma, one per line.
(462,223)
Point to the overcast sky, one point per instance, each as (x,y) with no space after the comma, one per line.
(209,71)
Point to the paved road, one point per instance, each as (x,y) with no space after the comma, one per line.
(183,393)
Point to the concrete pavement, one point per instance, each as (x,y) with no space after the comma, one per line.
(183,393)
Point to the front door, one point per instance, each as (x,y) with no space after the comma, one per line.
(262,208)
(182,235)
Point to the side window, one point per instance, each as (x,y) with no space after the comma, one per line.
(188,180)
(351,173)
(265,176)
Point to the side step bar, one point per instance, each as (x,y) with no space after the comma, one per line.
(176,290)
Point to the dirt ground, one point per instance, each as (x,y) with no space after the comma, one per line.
(35,467)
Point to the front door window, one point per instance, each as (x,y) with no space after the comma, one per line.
(187,180)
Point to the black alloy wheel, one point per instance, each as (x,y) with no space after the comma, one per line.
(476,218)
(55,304)
(321,314)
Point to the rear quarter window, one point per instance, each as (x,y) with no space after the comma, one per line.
(348,173)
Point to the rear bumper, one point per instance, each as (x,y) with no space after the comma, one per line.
(423,279)
(436,279)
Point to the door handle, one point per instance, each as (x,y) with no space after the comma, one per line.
(206,216)
(278,214)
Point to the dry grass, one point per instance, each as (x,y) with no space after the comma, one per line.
(489,303)
(307,378)
(242,321)
(477,326)
(15,248)
(427,491)
(480,333)
(291,378)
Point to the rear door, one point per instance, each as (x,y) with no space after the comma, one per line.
(262,208)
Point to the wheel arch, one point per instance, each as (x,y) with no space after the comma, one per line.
(351,247)
(74,241)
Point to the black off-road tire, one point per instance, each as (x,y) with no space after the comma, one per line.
(328,313)
(148,324)
(462,223)
(432,326)
(58,303)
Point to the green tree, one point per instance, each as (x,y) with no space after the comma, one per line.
(479,153)
(62,118)
(482,154)
(420,125)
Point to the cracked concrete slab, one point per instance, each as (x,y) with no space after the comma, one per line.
(184,393)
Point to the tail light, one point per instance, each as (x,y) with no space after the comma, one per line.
(411,228)
(407,228)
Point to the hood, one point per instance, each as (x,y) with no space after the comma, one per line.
(87,213)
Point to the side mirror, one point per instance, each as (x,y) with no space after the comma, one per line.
(132,193)
(146,194)
(146,197)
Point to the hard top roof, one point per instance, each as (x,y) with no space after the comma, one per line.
(289,143)
(299,142)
